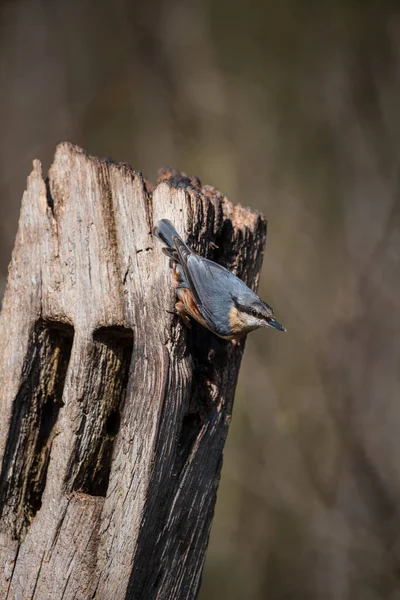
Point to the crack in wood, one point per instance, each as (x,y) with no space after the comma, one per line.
(109,362)
(13,569)
(32,429)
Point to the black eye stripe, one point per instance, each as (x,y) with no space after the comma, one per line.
(250,311)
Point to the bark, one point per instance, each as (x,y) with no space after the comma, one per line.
(113,416)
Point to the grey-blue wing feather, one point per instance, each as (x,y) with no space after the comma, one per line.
(217,289)
(213,287)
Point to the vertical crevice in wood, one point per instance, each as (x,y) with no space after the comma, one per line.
(108,370)
(223,242)
(49,197)
(32,428)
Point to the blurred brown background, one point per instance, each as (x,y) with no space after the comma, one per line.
(292,107)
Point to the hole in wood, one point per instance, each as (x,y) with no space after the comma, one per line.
(108,372)
(113,423)
(35,412)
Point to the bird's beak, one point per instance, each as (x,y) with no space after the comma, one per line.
(273,323)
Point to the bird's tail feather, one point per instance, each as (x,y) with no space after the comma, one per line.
(166,232)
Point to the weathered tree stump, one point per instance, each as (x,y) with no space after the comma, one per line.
(113,416)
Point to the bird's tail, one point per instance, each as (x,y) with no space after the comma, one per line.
(166,232)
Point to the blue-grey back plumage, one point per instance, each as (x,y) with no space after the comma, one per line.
(215,289)
(220,296)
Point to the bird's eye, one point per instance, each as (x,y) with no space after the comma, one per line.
(254,312)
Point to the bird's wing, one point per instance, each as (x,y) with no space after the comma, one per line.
(211,284)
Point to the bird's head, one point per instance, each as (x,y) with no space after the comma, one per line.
(249,312)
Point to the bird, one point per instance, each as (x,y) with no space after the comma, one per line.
(211,294)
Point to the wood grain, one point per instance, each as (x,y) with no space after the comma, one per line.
(113,416)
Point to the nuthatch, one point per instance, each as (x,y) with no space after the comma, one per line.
(211,294)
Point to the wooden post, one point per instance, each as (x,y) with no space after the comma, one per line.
(113,416)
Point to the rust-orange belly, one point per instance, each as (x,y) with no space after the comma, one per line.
(185,295)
